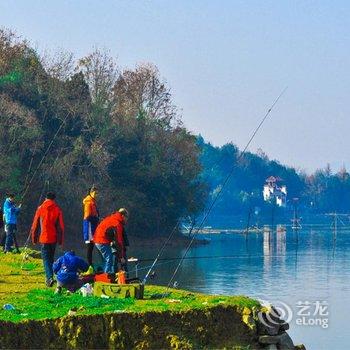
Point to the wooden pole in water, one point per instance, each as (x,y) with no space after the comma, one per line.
(272,220)
(295,221)
(334,226)
(247,230)
(248,220)
(335,232)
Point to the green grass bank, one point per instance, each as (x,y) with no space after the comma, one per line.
(182,320)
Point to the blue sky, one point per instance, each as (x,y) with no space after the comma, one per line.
(225,61)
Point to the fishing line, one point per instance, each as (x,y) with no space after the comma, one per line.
(29,170)
(25,247)
(160,252)
(46,185)
(164,261)
(43,157)
(226,257)
(224,184)
(211,206)
(148,266)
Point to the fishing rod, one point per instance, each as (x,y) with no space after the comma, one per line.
(29,170)
(25,246)
(224,257)
(223,186)
(192,228)
(46,185)
(25,191)
(165,261)
(160,252)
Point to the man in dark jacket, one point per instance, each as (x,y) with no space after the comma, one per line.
(67,268)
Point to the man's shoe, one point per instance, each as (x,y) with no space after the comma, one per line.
(50,282)
(58,290)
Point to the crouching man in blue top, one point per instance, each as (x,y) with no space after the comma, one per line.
(67,268)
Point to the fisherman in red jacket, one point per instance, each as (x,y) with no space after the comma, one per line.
(48,229)
(110,234)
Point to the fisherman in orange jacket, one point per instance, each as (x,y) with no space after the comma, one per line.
(48,229)
(110,234)
(90,221)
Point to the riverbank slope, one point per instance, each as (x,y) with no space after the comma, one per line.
(38,318)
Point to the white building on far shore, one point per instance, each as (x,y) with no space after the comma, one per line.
(275,191)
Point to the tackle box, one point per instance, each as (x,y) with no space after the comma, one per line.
(114,290)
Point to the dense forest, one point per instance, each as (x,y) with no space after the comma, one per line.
(321,192)
(66,124)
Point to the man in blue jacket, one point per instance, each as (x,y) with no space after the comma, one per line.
(11,212)
(66,268)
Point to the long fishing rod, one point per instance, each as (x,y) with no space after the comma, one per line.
(223,185)
(165,261)
(160,252)
(243,256)
(46,184)
(29,170)
(25,191)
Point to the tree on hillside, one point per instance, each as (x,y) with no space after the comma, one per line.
(156,157)
(95,124)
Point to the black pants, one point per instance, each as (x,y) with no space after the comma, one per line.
(2,238)
(90,248)
(48,255)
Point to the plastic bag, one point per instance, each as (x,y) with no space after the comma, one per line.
(86,289)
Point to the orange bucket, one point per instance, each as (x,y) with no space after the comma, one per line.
(121,277)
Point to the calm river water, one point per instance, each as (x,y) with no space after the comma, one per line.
(305,270)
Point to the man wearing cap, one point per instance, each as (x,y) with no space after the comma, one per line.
(110,235)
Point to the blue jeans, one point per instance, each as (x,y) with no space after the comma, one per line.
(48,255)
(107,255)
(10,230)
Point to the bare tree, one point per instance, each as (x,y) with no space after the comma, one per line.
(60,65)
(100,72)
(12,48)
(143,91)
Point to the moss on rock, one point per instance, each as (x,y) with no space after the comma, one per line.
(213,328)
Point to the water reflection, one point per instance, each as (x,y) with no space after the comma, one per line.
(267,249)
(283,265)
